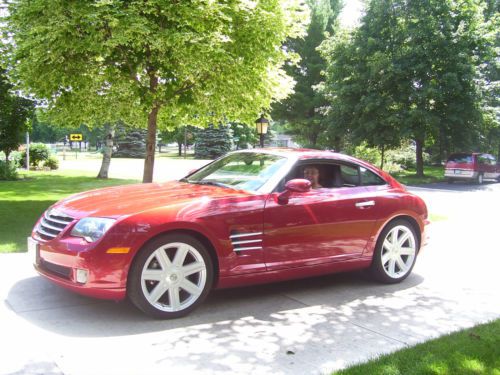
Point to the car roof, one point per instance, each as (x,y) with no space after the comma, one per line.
(310,154)
(304,153)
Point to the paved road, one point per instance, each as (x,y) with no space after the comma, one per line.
(306,326)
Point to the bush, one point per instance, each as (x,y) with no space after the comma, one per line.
(400,158)
(52,162)
(8,171)
(39,152)
(369,154)
(405,156)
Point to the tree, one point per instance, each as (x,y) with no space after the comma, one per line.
(182,135)
(243,135)
(153,62)
(130,143)
(213,141)
(409,72)
(303,109)
(14,113)
(109,131)
(490,80)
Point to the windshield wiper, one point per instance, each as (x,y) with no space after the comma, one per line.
(211,183)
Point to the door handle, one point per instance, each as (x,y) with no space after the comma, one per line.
(365,204)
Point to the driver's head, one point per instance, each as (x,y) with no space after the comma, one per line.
(312,174)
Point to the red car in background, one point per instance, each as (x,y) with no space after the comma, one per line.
(249,217)
(472,167)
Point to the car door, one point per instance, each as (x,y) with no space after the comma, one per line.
(323,225)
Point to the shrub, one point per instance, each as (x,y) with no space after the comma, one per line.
(8,171)
(39,152)
(16,156)
(52,162)
(405,156)
(369,154)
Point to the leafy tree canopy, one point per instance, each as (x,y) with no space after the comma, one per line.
(153,61)
(14,113)
(409,72)
(303,109)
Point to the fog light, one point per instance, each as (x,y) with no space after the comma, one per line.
(82,276)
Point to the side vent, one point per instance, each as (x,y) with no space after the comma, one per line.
(246,241)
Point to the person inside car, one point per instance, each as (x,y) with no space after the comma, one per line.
(311,173)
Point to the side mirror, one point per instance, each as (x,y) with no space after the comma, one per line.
(297,185)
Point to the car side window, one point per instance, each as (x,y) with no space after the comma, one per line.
(368,178)
(349,175)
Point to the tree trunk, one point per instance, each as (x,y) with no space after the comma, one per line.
(179,144)
(420,158)
(498,154)
(108,151)
(149,162)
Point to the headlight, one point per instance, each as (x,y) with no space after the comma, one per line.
(92,228)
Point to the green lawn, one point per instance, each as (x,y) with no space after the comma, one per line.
(23,201)
(431,174)
(472,351)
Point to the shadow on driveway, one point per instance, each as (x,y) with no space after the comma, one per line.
(57,310)
(459,187)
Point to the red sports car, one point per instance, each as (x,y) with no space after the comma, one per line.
(249,217)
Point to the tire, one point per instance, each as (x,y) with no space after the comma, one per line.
(390,265)
(170,276)
(480,179)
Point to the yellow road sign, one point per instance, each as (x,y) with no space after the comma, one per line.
(75,137)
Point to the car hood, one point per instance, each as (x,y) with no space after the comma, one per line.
(131,199)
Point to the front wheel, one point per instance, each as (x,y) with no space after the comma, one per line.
(395,253)
(171,276)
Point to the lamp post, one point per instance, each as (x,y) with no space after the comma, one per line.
(262,125)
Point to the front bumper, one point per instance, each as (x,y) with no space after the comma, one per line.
(59,261)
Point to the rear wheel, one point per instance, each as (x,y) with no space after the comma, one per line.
(395,253)
(480,179)
(171,276)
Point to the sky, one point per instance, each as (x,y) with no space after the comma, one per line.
(351,13)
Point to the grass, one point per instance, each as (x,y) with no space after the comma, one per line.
(431,175)
(472,351)
(437,217)
(23,201)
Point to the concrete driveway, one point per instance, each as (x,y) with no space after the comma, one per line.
(305,326)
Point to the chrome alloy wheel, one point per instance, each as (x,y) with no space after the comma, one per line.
(398,251)
(173,277)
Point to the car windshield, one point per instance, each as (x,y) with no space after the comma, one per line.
(246,171)
(461,158)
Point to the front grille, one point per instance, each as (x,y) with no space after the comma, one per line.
(56,269)
(52,224)
(242,241)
